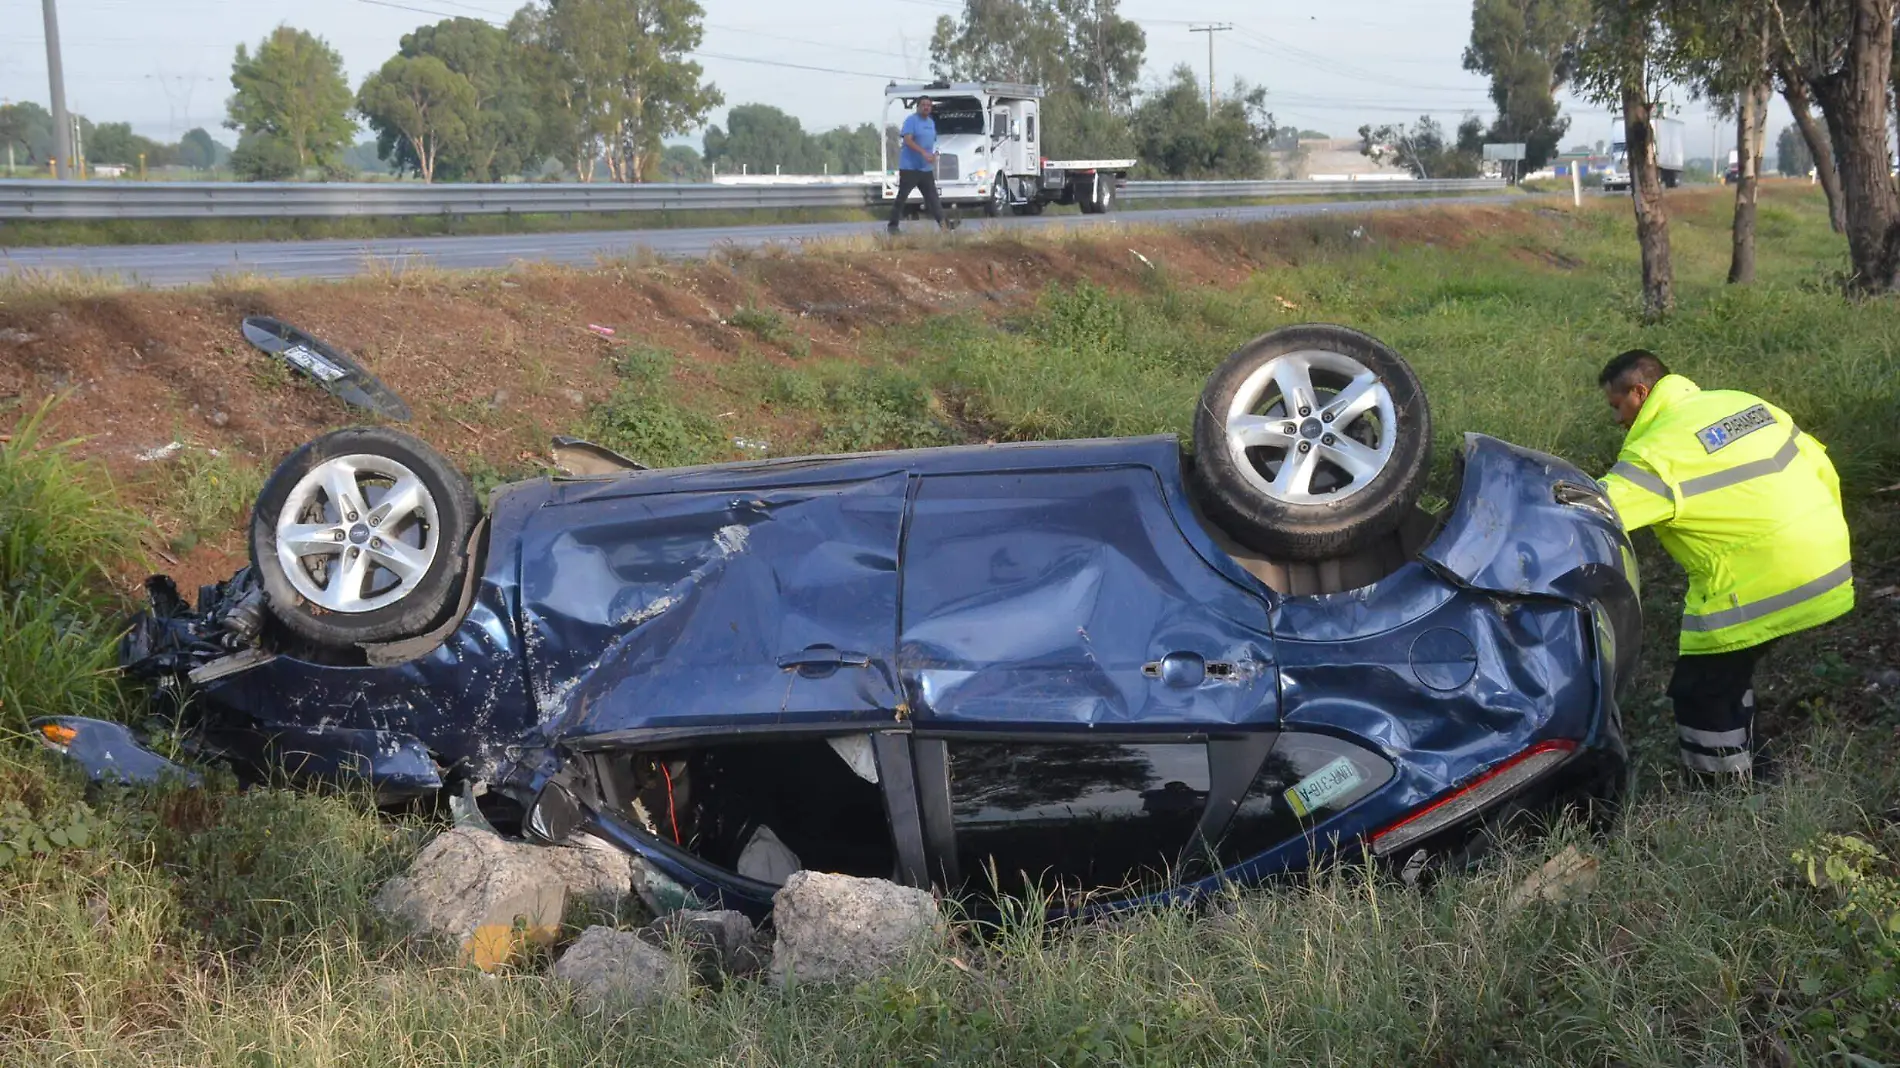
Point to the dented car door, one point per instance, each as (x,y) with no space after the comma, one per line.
(738,609)
(1065,598)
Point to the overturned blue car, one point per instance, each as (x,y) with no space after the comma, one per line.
(1098,669)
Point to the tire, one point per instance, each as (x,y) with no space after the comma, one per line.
(1355,478)
(1087,197)
(998,201)
(308,593)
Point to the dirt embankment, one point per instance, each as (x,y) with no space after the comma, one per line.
(492,364)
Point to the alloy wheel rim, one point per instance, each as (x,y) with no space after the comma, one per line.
(357,533)
(1311,427)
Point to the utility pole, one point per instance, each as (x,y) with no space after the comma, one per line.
(62,137)
(1210,29)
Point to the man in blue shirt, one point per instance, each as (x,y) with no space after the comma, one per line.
(917,164)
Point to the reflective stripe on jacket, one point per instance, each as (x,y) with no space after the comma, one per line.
(1749,506)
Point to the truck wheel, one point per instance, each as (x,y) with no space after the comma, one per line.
(998,201)
(1104,194)
(1311,442)
(361,536)
(1087,194)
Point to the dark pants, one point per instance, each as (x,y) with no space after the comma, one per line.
(925,181)
(1714,696)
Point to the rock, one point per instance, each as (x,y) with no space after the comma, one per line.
(220,419)
(609,966)
(17,337)
(834,927)
(574,397)
(1886,679)
(723,942)
(473,885)
(500,398)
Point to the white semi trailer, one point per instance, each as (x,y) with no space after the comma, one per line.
(1670,157)
(989,151)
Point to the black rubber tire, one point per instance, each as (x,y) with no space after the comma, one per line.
(1311,531)
(1085,196)
(433,598)
(998,201)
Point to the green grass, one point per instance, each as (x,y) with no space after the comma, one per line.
(211,927)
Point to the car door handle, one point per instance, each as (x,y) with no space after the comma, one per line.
(1188,670)
(1178,669)
(816,658)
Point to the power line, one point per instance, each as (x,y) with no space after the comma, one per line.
(424,10)
(791,66)
(803,41)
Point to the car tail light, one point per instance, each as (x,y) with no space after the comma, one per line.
(58,736)
(1473,797)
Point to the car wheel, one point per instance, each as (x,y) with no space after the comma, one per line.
(1311,442)
(360,536)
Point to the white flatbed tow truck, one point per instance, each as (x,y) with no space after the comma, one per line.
(988,154)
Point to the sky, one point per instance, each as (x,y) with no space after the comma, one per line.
(164,65)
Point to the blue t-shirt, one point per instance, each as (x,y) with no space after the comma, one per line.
(925,132)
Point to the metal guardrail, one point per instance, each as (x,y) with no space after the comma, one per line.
(29,199)
(1281,188)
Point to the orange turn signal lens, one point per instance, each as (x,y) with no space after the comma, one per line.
(58,735)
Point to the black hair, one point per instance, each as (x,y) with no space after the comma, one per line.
(1629,368)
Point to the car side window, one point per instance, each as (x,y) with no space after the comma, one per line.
(1306,779)
(1073,815)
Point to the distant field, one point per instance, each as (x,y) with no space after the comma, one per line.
(221,928)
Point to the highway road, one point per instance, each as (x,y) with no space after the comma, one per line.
(188,264)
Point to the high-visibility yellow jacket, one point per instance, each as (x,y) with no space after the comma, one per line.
(1749,506)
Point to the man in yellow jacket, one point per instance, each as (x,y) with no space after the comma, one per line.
(1751,508)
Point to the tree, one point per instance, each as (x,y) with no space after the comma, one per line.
(1084,55)
(1722,48)
(1841,53)
(114,142)
(505,132)
(421,104)
(1624,58)
(760,138)
(28,128)
(682,163)
(617,81)
(1792,158)
(291,91)
(845,150)
(1423,150)
(199,151)
(1177,137)
(1528,48)
(264,157)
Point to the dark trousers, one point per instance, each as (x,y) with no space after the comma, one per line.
(1714,695)
(924,181)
